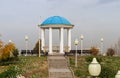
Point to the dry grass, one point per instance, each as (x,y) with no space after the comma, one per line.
(32,66)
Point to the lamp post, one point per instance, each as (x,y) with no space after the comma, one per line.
(118,74)
(94,68)
(26,40)
(39,40)
(10,41)
(0,35)
(81,43)
(101,48)
(76,43)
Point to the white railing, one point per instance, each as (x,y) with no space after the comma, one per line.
(56,48)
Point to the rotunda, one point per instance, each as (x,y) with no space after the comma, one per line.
(56,23)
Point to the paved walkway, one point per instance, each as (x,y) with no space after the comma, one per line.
(58,67)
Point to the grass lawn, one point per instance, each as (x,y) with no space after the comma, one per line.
(31,66)
(37,67)
(110,66)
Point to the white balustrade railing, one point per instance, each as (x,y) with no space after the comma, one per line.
(56,48)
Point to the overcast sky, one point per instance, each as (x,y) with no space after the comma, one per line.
(92,18)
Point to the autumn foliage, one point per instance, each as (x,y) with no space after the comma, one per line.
(6,51)
(94,51)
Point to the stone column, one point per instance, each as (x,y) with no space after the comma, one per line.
(43,37)
(50,41)
(69,38)
(61,41)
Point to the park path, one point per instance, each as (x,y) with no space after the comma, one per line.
(58,67)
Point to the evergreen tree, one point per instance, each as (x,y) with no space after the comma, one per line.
(36,48)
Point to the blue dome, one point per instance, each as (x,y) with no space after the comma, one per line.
(56,20)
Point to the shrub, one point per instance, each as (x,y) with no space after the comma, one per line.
(37,46)
(7,51)
(107,72)
(77,73)
(72,62)
(90,58)
(9,60)
(15,52)
(110,52)
(94,51)
(11,72)
(5,63)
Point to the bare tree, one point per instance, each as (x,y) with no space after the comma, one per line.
(110,52)
(117,48)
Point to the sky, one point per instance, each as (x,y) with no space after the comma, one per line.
(95,19)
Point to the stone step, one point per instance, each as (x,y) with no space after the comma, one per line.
(60,73)
(56,57)
(52,59)
(58,67)
(57,61)
(57,64)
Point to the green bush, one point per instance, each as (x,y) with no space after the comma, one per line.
(15,52)
(72,62)
(77,73)
(90,58)
(11,60)
(11,72)
(5,63)
(107,72)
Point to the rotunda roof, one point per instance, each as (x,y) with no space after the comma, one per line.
(56,20)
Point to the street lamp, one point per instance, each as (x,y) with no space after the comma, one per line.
(0,35)
(26,40)
(101,49)
(94,68)
(118,74)
(76,43)
(10,41)
(39,40)
(81,41)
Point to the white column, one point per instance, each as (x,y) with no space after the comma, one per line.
(26,40)
(81,46)
(59,38)
(39,42)
(61,41)
(69,38)
(81,41)
(101,49)
(50,40)
(43,37)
